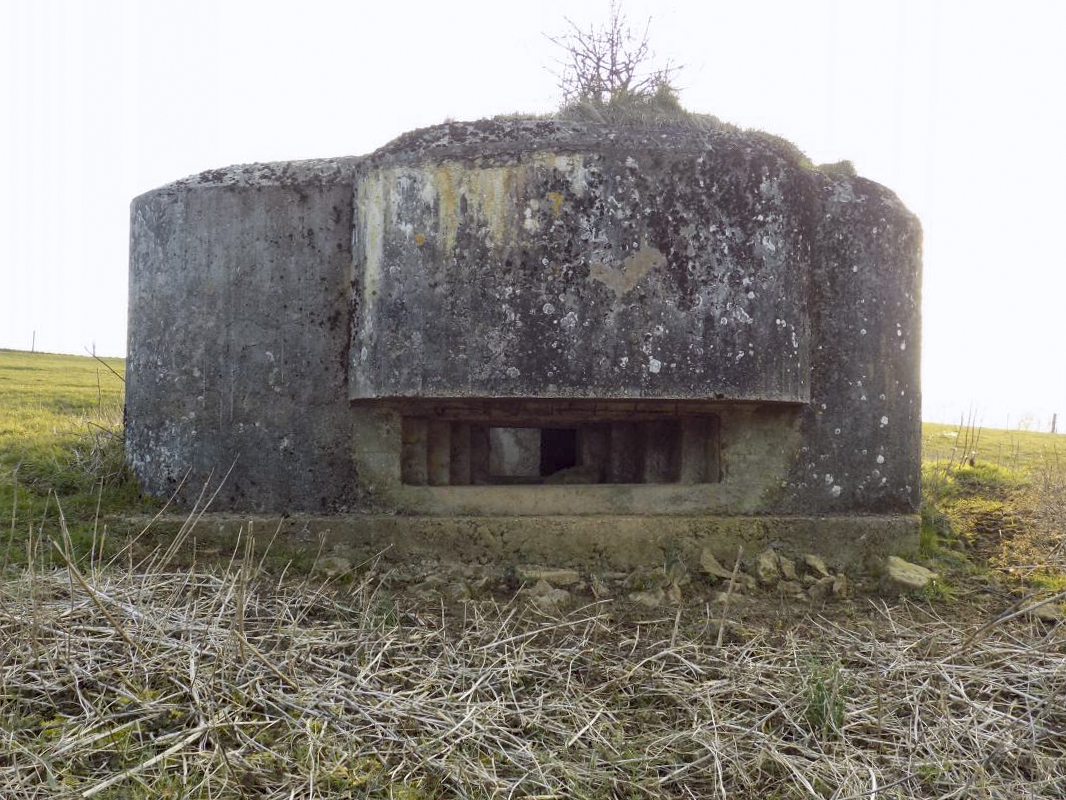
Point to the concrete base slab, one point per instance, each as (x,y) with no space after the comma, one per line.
(849,543)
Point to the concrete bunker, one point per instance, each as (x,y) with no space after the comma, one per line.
(534,320)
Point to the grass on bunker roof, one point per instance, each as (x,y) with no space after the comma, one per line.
(231,679)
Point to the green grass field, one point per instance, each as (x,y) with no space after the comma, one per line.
(61,447)
(1021,451)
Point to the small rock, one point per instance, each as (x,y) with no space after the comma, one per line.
(431,581)
(333,566)
(816,565)
(907,576)
(767,567)
(709,565)
(744,583)
(734,599)
(653,598)
(673,594)
(457,591)
(735,633)
(557,577)
(547,597)
(1049,614)
(788,568)
(429,589)
(822,589)
(646,579)
(840,585)
(539,589)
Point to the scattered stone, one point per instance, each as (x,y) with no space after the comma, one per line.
(788,568)
(709,565)
(768,567)
(333,566)
(744,583)
(734,599)
(457,591)
(557,577)
(646,579)
(547,597)
(840,585)
(600,589)
(653,598)
(429,589)
(907,576)
(822,590)
(816,565)
(673,594)
(1049,614)
(735,633)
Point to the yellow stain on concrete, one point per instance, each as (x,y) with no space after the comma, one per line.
(495,194)
(556,200)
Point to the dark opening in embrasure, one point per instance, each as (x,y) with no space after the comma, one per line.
(575,443)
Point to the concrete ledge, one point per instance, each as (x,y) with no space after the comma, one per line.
(846,542)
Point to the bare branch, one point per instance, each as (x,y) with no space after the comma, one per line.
(609,63)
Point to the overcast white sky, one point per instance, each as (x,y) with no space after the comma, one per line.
(957,106)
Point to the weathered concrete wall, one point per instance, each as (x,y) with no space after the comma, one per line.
(538,259)
(862,430)
(238,336)
(283,315)
(672,266)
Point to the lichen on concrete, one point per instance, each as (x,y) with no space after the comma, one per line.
(286,319)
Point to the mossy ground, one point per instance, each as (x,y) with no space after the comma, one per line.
(994,504)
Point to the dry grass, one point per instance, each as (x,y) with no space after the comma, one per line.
(126,680)
(229,683)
